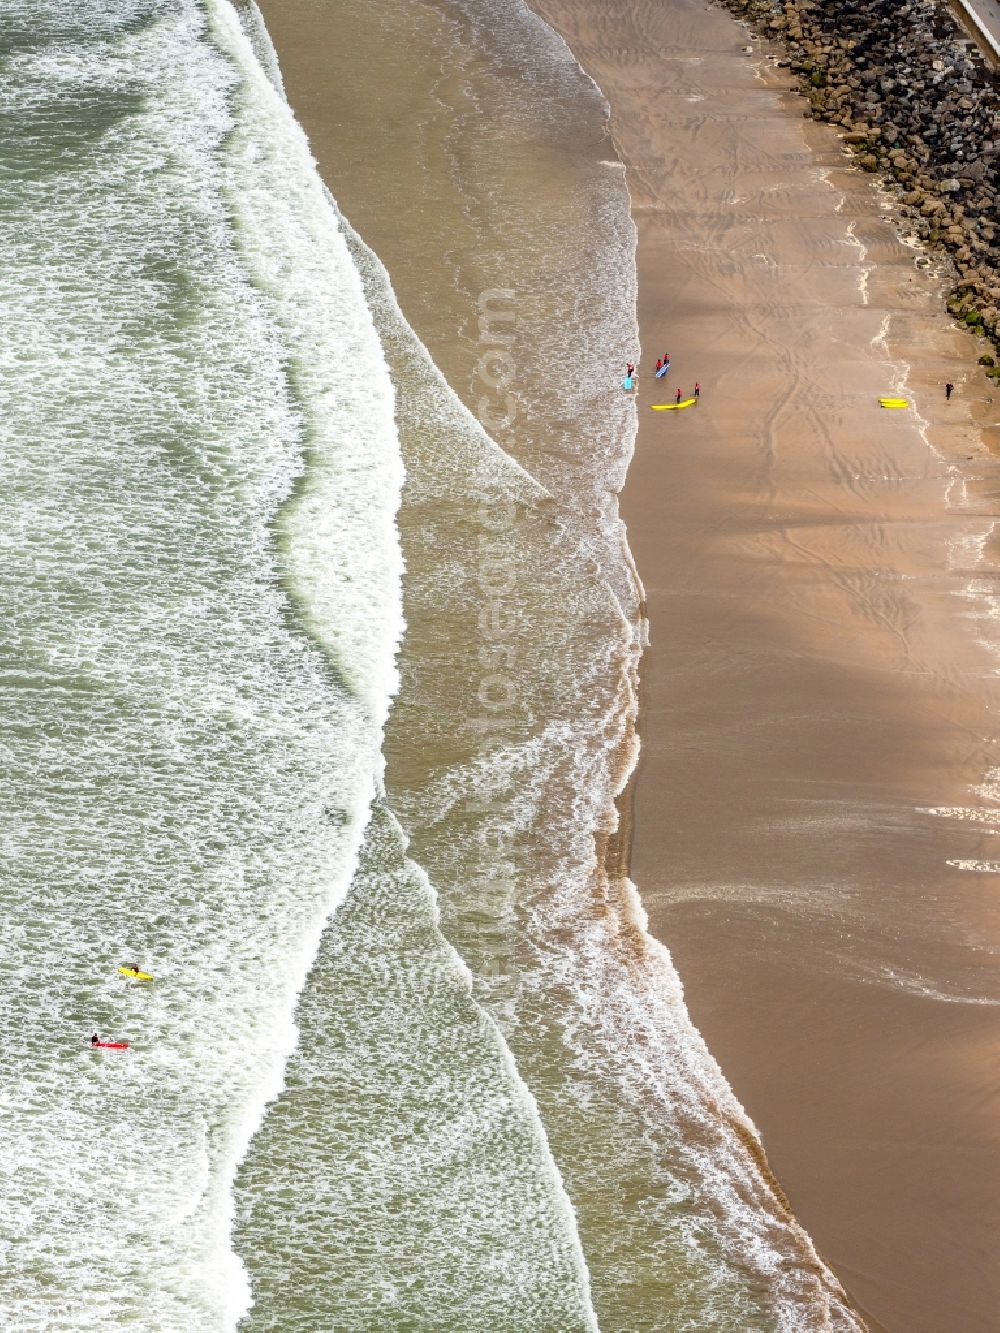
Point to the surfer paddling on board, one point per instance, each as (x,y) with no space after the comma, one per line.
(95,1040)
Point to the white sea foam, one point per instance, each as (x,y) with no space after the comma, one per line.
(191,774)
(252,22)
(432,1198)
(516,1248)
(351,487)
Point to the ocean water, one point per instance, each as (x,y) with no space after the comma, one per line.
(410,1060)
(201,606)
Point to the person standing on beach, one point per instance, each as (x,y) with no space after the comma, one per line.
(949,389)
(697,389)
(678,398)
(659,364)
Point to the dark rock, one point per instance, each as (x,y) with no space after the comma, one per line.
(919,104)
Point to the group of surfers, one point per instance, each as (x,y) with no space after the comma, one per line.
(662,366)
(95,1039)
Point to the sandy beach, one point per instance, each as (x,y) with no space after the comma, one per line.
(812,815)
(814,682)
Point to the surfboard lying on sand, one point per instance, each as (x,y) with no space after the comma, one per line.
(894,402)
(669,407)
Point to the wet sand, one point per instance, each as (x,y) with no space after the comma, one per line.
(814,682)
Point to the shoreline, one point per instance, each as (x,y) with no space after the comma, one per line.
(883,1155)
(725,527)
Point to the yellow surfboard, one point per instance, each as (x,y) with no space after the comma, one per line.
(669,407)
(136,976)
(894,402)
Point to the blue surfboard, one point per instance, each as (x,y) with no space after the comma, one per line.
(662,371)
(627,383)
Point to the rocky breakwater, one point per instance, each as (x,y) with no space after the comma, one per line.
(919,105)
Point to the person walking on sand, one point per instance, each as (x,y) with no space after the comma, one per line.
(949,389)
(697,390)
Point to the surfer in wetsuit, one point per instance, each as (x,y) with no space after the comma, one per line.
(95,1040)
(678,398)
(697,389)
(949,389)
(659,364)
(629,370)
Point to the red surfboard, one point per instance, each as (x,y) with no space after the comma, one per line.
(108,1045)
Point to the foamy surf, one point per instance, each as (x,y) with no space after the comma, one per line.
(402,1179)
(441,1155)
(192,730)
